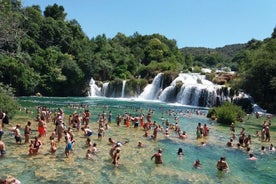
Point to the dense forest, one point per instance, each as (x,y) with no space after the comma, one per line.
(42,51)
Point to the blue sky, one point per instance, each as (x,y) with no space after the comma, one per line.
(192,23)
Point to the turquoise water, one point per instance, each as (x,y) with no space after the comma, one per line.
(135,164)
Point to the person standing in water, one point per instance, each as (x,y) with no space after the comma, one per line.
(116,157)
(222,165)
(17,135)
(2,149)
(27,132)
(158,157)
(69,146)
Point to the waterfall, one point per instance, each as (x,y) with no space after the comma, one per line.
(187,89)
(123,89)
(153,90)
(195,90)
(105,89)
(94,89)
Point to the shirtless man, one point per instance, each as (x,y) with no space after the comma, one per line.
(158,157)
(41,126)
(27,132)
(222,164)
(17,135)
(2,149)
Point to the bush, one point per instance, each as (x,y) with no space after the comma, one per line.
(8,102)
(227,113)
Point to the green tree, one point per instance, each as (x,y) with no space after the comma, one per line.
(55,11)
(8,103)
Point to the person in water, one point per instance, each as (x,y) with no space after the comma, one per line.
(158,157)
(69,146)
(2,149)
(140,144)
(252,157)
(180,153)
(197,164)
(116,157)
(222,165)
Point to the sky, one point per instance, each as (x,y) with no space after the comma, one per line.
(192,23)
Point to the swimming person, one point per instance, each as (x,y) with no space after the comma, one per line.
(197,164)
(252,157)
(180,153)
(158,157)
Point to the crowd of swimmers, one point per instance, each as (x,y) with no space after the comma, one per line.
(63,132)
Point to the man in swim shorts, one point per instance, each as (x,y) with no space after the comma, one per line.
(69,146)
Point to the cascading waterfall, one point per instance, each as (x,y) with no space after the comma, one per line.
(94,89)
(123,89)
(195,90)
(153,90)
(187,89)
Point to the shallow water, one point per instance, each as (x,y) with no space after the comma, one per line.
(135,163)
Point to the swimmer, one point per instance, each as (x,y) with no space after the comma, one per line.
(252,157)
(180,153)
(271,147)
(203,143)
(197,164)
(182,135)
(263,150)
(222,165)
(230,143)
(158,157)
